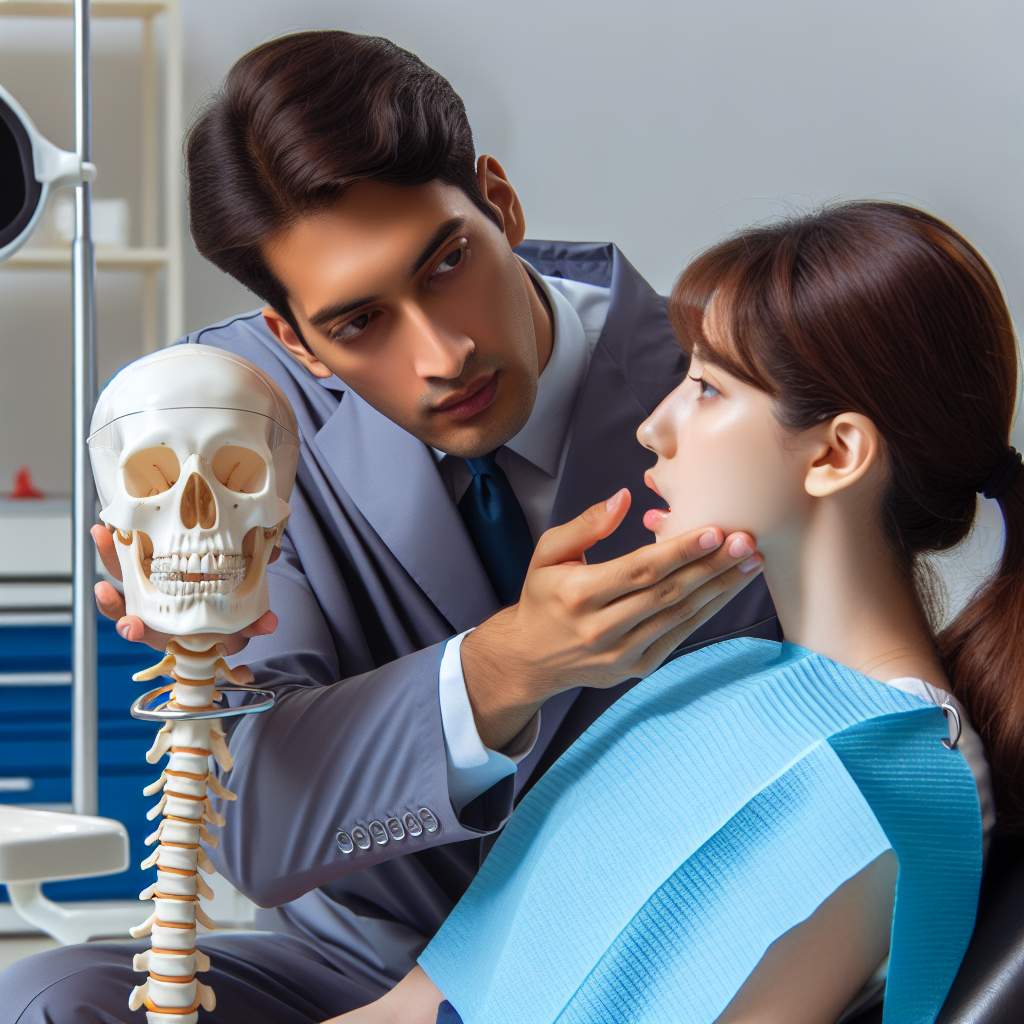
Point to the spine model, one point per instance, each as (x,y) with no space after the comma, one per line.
(172,994)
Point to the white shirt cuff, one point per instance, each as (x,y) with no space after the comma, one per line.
(472,767)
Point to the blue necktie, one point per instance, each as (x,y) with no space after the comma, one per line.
(496,523)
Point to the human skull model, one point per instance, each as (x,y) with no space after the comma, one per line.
(194,452)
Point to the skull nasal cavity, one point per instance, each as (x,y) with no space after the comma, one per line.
(198,505)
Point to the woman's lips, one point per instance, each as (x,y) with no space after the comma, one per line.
(654,516)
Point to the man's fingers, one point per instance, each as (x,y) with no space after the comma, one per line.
(131,627)
(104,541)
(109,600)
(625,612)
(655,655)
(661,634)
(568,542)
(647,566)
(266,623)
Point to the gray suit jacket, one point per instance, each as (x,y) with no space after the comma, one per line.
(376,572)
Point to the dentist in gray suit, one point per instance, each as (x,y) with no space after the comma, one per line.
(465,582)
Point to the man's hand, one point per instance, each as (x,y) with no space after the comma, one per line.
(110,602)
(595,625)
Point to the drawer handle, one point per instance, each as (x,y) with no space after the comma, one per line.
(35,678)
(16,784)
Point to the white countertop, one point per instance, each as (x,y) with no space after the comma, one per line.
(35,553)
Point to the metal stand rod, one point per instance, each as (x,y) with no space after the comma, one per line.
(84,774)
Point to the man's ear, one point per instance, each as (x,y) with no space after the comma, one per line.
(293,345)
(500,194)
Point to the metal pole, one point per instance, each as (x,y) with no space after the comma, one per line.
(84,697)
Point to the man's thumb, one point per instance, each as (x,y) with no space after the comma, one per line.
(566,543)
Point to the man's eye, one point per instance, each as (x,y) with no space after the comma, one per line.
(704,384)
(450,262)
(346,331)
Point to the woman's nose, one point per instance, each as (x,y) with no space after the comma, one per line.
(652,433)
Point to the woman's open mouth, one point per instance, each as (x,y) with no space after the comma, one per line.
(654,516)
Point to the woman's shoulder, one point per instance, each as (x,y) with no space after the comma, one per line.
(969,744)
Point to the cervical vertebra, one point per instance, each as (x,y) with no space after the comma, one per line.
(172,990)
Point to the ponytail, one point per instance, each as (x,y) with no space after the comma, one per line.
(982,651)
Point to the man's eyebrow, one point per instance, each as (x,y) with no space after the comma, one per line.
(439,236)
(337,309)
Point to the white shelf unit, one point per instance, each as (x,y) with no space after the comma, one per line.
(155,257)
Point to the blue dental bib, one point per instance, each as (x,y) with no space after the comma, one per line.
(713,807)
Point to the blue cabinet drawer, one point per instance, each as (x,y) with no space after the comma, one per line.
(46,647)
(38,786)
(123,745)
(35,741)
(27,703)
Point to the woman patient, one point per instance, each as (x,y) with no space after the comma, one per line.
(851,388)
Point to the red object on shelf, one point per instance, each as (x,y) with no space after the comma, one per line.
(23,486)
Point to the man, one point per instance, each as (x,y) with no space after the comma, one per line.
(464,584)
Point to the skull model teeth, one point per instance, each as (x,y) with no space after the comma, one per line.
(194,452)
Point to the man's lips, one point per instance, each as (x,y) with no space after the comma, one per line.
(460,396)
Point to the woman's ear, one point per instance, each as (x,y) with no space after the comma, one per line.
(500,195)
(851,449)
(292,343)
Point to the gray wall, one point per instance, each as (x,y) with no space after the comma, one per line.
(658,125)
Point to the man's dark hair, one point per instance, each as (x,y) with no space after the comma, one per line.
(298,120)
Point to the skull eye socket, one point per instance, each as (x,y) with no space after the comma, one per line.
(240,469)
(150,471)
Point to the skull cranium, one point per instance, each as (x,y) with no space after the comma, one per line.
(194,451)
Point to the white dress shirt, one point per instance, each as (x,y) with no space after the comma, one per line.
(532,461)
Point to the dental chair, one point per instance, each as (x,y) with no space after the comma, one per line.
(989,988)
(39,846)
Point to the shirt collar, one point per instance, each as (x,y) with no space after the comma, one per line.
(541,439)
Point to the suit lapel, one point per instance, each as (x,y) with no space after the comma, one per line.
(635,363)
(394,481)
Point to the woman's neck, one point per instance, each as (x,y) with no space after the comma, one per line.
(839,592)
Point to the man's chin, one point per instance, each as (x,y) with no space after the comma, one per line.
(472,440)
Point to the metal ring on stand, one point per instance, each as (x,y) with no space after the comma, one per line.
(949,709)
(139,709)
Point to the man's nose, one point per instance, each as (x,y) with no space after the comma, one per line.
(439,352)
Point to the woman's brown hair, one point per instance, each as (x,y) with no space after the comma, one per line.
(885,310)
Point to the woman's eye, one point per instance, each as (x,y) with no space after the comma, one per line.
(450,262)
(345,332)
(704,384)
